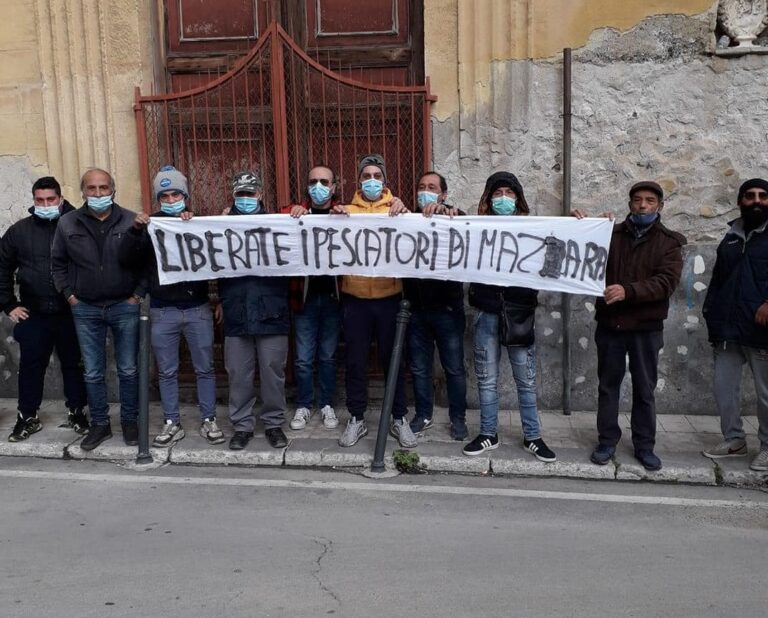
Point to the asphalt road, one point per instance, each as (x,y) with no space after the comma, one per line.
(91,539)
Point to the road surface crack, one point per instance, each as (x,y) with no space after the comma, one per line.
(327,547)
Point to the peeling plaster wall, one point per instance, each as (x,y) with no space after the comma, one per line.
(648,103)
(68,69)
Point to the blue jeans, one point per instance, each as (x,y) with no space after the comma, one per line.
(91,324)
(196,324)
(523,361)
(316,329)
(444,327)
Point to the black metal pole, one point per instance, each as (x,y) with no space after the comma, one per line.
(566,298)
(144,456)
(389,388)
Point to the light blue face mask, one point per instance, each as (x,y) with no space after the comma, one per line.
(372,189)
(643,220)
(247,205)
(48,213)
(319,194)
(99,204)
(504,205)
(174,208)
(425,198)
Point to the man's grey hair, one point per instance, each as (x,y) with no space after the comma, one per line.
(96,169)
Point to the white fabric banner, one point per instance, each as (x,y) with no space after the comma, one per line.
(561,254)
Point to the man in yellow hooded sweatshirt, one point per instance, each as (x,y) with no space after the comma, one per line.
(369,310)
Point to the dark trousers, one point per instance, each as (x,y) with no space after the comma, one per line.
(613,347)
(365,319)
(37,337)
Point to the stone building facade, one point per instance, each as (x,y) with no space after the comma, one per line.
(657,93)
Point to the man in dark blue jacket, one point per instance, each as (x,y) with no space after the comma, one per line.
(256,325)
(736,311)
(43,318)
(103,295)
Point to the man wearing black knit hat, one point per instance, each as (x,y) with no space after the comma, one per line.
(736,311)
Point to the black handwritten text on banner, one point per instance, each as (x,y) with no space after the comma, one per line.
(547,253)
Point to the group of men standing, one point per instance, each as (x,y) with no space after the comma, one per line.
(83,272)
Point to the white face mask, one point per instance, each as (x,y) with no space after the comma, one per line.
(48,212)
(99,204)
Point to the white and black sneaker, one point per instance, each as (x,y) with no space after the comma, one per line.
(540,450)
(481,444)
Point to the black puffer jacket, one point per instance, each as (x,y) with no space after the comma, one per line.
(136,250)
(26,252)
(739,286)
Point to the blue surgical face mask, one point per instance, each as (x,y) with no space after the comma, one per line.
(247,205)
(504,205)
(424,198)
(643,220)
(319,194)
(47,212)
(372,189)
(174,208)
(99,204)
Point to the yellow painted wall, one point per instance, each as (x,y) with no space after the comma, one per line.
(462,37)
(68,69)
(21,105)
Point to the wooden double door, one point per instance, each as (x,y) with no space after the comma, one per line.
(375,41)
(379,41)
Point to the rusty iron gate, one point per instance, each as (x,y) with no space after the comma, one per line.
(280,112)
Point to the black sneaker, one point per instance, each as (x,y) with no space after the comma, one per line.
(96,435)
(24,428)
(78,421)
(602,454)
(649,459)
(130,432)
(276,437)
(459,430)
(481,444)
(420,424)
(540,450)
(240,440)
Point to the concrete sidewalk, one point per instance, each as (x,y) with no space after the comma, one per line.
(680,441)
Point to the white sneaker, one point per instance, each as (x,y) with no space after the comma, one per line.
(354,431)
(301,418)
(329,417)
(211,432)
(401,430)
(727,448)
(172,432)
(760,462)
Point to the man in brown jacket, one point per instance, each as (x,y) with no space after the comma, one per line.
(643,270)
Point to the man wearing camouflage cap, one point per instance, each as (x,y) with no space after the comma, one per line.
(256,325)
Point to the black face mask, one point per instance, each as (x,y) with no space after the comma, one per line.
(754,216)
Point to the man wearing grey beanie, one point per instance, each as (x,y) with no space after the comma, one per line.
(176,309)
